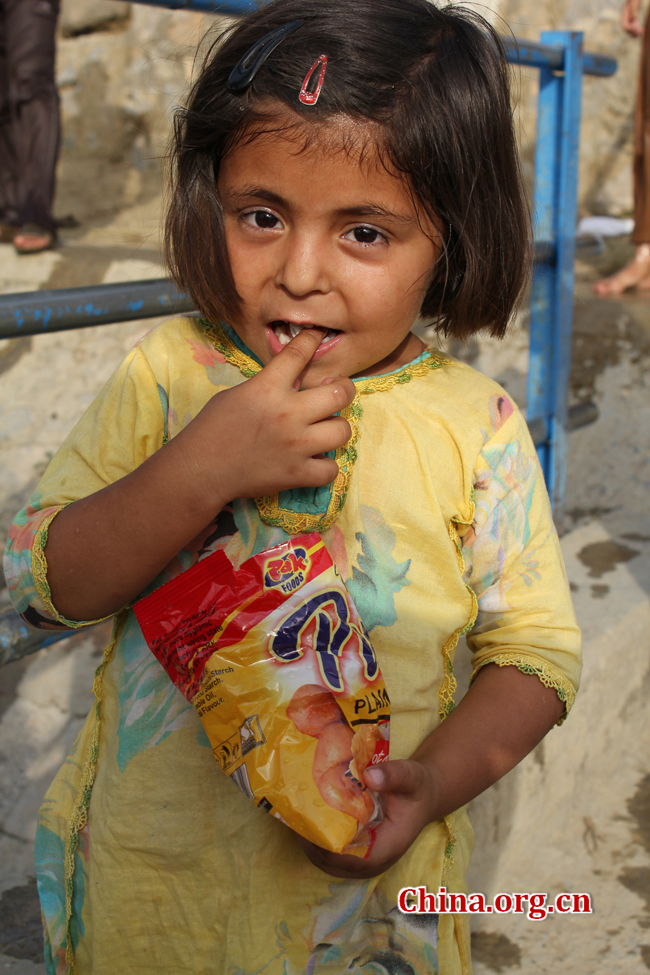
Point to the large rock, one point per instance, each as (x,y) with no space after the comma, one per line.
(84,16)
(608,103)
(121,71)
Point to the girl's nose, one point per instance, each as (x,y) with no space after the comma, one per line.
(303,267)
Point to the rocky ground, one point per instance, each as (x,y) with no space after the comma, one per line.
(576,814)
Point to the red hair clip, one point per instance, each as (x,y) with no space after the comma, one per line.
(311,97)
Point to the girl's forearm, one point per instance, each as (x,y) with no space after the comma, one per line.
(103,550)
(502,717)
(258,437)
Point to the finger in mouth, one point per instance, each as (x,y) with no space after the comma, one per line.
(286,331)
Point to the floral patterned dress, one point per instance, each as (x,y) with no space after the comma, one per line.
(149,860)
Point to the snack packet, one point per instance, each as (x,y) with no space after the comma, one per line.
(285,680)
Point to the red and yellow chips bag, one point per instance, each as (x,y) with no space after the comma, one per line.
(285,680)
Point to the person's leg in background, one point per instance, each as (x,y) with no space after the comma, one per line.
(32,131)
(637,272)
(8,210)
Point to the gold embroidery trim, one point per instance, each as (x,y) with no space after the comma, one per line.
(296,522)
(39,573)
(79,815)
(414,370)
(450,846)
(529,664)
(370,384)
(217,335)
(39,565)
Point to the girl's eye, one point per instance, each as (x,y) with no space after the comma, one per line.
(365,235)
(262,219)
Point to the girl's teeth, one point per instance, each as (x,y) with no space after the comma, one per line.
(288,331)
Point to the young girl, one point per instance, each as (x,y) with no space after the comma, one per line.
(341,169)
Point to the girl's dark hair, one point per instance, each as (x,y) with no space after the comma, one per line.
(431,86)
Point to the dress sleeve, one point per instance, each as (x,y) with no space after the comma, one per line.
(122,427)
(514,566)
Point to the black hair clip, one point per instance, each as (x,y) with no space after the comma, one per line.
(245,70)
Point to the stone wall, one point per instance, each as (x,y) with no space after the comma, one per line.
(122,67)
(608,103)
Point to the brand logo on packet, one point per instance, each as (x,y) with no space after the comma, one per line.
(331,636)
(288,571)
(225,636)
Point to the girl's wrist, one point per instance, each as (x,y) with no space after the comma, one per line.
(197,487)
(433,793)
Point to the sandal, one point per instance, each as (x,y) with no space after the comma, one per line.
(32,239)
(68,222)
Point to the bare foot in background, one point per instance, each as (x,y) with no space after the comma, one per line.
(635,274)
(644,285)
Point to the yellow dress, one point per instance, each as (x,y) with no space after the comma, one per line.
(149,861)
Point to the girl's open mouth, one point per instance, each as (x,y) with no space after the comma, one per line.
(280,334)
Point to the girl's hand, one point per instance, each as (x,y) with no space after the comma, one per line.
(260,437)
(630,18)
(412,798)
(267,435)
(501,718)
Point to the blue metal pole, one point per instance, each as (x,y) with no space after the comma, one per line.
(18,640)
(554,215)
(530,54)
(566,247)
(36,312)
(545,233)
(234,8)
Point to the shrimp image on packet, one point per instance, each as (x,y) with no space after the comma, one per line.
(281,670)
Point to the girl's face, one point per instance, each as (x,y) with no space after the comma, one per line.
(321,238)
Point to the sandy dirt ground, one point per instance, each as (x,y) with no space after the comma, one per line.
(576,815)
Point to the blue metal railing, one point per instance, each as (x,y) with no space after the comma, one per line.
(63,309)
(561,63)
(554,221)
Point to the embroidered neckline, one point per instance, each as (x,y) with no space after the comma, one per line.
(269,507)
(297,522)
(247,365)
(235,352)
